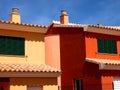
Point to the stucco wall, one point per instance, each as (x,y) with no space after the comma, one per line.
(44,83)
(52,87)
(52,50)
(92,49)
(107,82)
(106,76)
(34,48)
(72,58)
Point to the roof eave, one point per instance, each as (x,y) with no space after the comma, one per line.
(102,30)
(105,64)
(22,27)
(30,74)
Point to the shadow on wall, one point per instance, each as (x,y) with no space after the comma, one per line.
(91,77)
(33,81)
(27,35)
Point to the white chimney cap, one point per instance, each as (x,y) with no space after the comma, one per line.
(15,10)
(63,12)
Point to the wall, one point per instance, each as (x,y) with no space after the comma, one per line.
(52,50)
(22,83)
(72,58)
(91,52)
(71,44)
(73,65)
(91,77)
(34,48)
(72,54)
(91,46)
(107,82)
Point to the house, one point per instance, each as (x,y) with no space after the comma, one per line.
(87,55)
(61,56)
(22,56)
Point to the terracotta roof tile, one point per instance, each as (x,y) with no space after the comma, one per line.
(24,24)
(86,25)
(106,27)
(26,68)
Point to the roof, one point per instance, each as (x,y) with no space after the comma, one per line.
(7,25)
(103,61)
(73,25)
(106,27)
(108,30)
(26,68)
(24,24)
(105,64)
(86,25)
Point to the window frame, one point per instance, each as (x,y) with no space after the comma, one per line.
(107,46)
(78,84)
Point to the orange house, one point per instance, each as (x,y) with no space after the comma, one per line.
(22,56)
(87,55)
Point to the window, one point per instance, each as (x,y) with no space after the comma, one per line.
(78,84)
(34,88)
(107,46)
(1,88)
(12,45)
(4,83)
(116,83)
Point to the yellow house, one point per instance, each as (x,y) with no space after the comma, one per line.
(22,56)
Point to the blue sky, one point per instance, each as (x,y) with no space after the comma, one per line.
(43,12)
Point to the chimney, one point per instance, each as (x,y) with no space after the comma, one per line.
(15,16)
(99,24)
(64,19)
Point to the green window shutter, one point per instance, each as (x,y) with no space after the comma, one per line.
(107,46)
(101,45)
(20,46)
(12,45)
(113,46)
(2,43)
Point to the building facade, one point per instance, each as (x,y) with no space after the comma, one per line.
(22,56)
(88,55)
(61,56)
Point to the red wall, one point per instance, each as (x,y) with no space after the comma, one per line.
(72,52)
(74,46)
(91,46)
(91,52)
(5,85)
(72,61)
